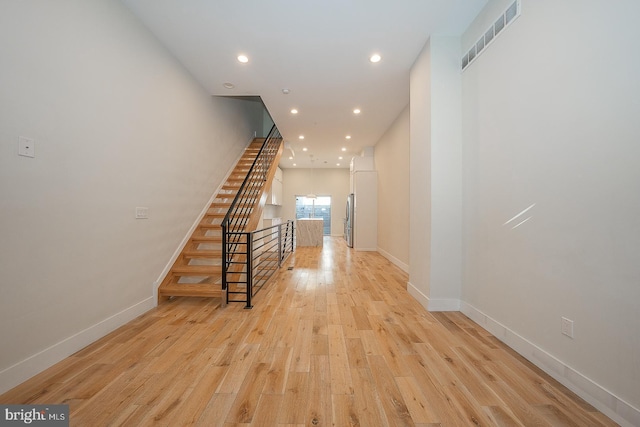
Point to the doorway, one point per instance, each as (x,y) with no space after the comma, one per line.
(315,207)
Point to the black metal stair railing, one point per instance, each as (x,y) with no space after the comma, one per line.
(257,256)
(238,253)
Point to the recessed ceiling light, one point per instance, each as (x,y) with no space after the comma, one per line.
(348,137)
(337,164)
(356,111)
(286,91)
(344,148)
(290,157)
(375,58)
(340,158)
(295,164)
(294,111)
(304,149)
(229,85)
(301,137)
(243,58)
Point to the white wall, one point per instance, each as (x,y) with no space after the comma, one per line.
(420,177)
(446,171)
(323,182)
(392,163)
(117,123)
(435,168)
(551,118)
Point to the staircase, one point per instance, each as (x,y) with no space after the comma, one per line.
(198,269)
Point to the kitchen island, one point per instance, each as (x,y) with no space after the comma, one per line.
(309,232)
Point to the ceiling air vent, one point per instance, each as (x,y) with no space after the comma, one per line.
(505,19)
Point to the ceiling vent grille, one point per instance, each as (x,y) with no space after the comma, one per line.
(490,35)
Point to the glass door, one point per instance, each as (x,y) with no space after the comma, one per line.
(315,207)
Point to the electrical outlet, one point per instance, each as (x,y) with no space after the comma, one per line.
(142,213)
(26,147)
(567,327)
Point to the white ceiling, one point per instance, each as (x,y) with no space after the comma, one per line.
(319,50)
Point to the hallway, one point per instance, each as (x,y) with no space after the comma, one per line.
(334,340)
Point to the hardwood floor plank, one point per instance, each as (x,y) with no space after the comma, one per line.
(296,395)
(192,407)
(367,400)
(260,327)
(347,320)
(238,369)
(361,317)
(301,359)
(521,409)
(339,362)
(557,418)
(319,405)
(344,411)
(247,398)
(471,411)
(216,411)
(336,341)
(417,404)
(392,401)
(119,393)
(388,348)
(356,354)
(502,417)
(266,414)
(434,391)
(278,371)
(370,343)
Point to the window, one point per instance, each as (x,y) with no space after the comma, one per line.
(319,207)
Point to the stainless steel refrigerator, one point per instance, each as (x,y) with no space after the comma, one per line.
(348,221)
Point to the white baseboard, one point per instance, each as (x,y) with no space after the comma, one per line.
(596,395)
(418,295)
(433,304)
(395,261)
(27,368)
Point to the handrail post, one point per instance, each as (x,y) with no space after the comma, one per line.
(293,235)
(223,227)
(280,255)
(249,238)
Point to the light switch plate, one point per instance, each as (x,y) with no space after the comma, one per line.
(567,327)
(26,147)
(142,213)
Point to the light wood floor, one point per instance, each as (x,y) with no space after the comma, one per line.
(336,340)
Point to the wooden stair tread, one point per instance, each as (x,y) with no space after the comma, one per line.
(203,253)
(190,290)
(210,215)
(196,270)
(208,225)
(238,183)
(206,239)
